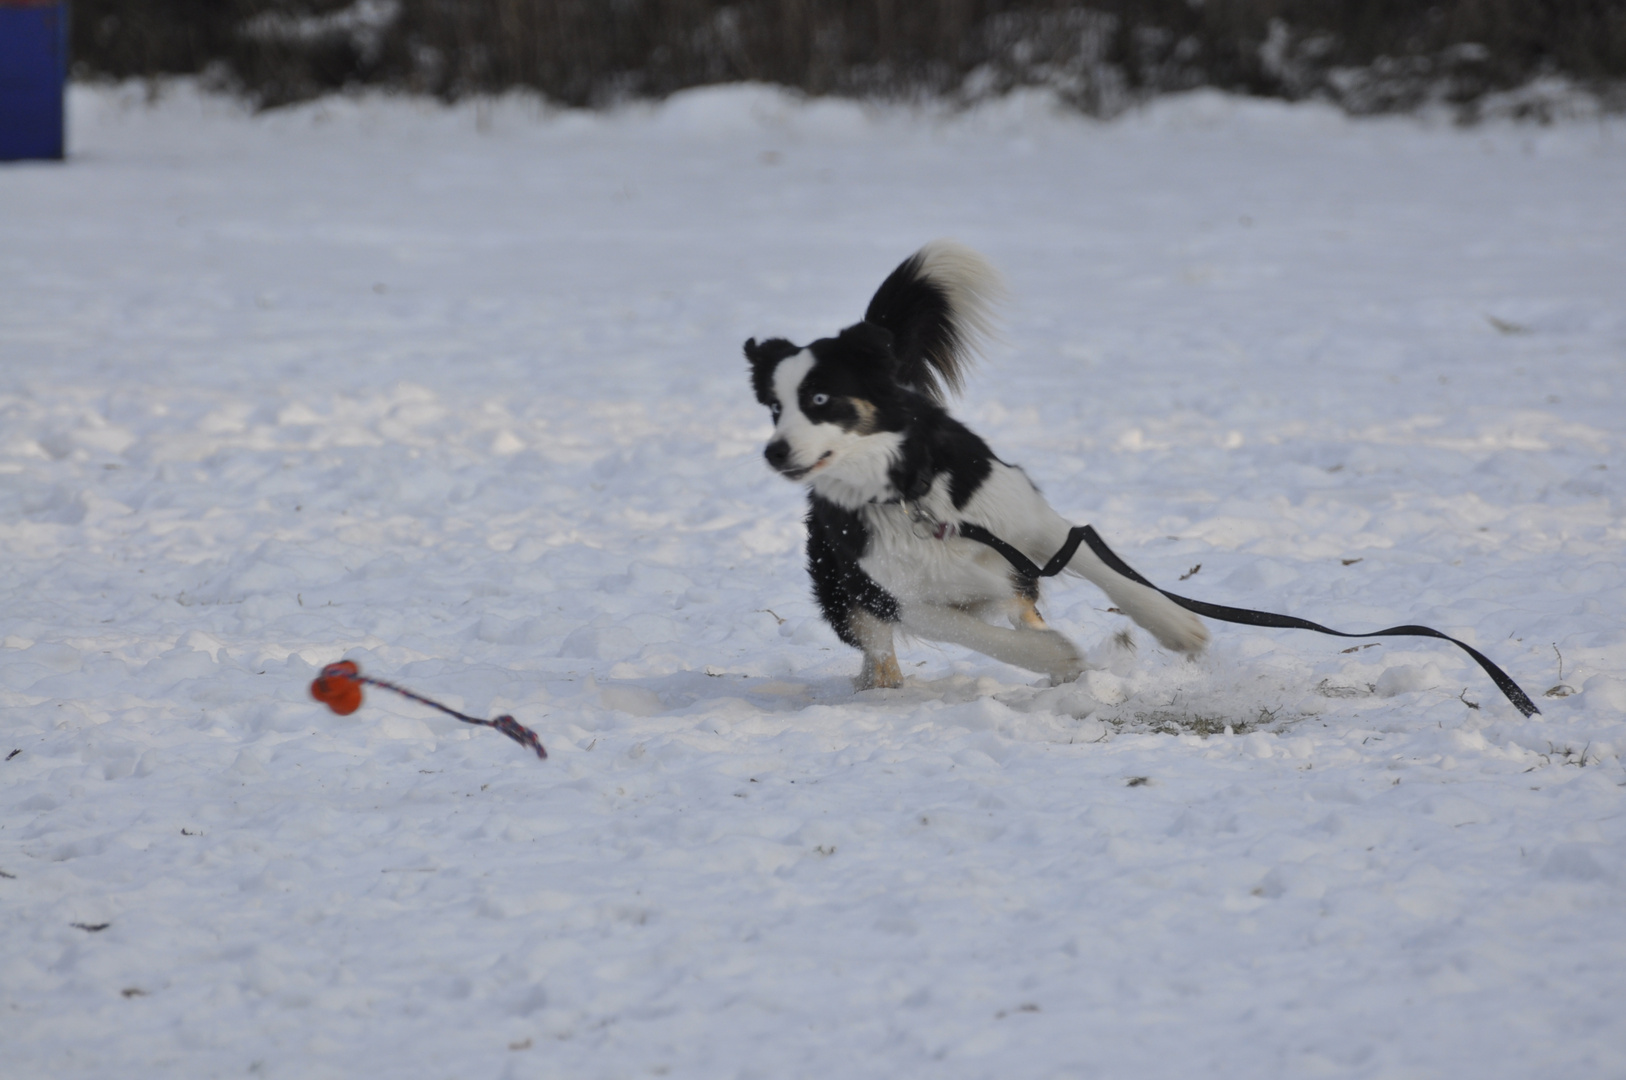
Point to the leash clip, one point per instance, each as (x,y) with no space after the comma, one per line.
(923,525)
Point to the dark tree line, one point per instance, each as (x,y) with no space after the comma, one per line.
(1368,55)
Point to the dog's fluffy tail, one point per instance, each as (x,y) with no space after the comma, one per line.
(938,306)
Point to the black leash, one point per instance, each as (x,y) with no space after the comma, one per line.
(1086,534)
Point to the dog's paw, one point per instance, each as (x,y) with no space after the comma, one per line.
(1053,655)
(879,675)
(1178,630)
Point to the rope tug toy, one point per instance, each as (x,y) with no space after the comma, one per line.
(339,688)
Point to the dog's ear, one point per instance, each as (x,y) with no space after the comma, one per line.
(764,357)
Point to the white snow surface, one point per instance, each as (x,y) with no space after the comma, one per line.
(457,393)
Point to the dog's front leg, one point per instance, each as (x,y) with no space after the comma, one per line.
(880,670)
(1044,651)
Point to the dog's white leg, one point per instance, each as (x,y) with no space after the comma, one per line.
(1044,651)
(1174,627)
(1011,503)
(880,670)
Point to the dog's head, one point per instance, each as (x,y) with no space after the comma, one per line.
(835,406)
(841,405)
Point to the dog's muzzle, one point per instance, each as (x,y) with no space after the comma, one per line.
(778,455)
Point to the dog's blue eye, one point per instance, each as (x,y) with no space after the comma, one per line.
(773,410)
(821,399)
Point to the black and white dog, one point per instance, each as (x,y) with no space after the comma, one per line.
(859,419)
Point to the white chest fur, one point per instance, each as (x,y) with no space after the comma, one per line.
(916,568)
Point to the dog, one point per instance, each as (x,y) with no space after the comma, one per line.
(860,420)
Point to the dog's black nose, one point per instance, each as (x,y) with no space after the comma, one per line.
(777,453)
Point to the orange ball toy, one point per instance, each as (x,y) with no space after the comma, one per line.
(338,687)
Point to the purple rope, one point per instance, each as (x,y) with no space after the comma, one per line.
(505,723)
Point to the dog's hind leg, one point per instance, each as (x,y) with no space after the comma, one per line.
(1027,615)
(880,671)
(1024,607)
(1174,627)
(1012,507)
(1044,651)
(1039,532)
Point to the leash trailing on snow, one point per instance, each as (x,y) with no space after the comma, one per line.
(1086,534)
(339,688)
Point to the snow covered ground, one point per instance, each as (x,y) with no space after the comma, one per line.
(457,393)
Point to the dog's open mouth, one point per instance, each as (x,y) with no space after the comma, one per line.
(801,474)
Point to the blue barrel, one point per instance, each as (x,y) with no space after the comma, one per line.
(33,72)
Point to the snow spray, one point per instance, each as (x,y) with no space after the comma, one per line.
(339,688)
